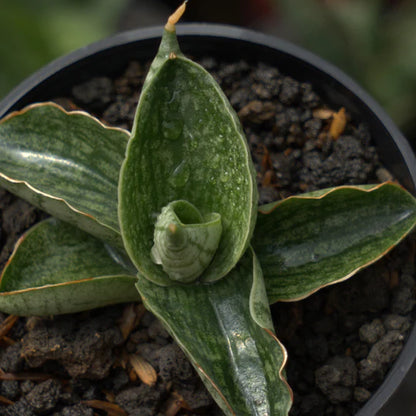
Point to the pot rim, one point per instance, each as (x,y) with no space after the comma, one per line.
(405,360)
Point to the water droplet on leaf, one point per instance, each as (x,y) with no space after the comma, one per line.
(193,142)
(180,175)
(215,161)
(225,176)
(174,102)
(172,129)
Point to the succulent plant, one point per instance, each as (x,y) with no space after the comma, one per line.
(168,215)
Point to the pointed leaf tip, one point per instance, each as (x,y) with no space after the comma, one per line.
(175,17)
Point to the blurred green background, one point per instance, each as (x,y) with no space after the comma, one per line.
(33,32)
(372,40)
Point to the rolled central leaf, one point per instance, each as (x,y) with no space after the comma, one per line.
(184,241)
(186,144)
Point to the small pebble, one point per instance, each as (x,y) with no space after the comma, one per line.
(9,389)
(372,332)
(337,378)
(370,373)
(361,394)
(403,300)
(96,92)
(76,410)
(397,322)
(19,408)
(383,175)
(44,396)
(386,350)
(11,360)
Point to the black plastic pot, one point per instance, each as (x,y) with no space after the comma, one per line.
(110,56)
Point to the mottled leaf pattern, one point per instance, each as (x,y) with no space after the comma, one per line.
(235,351)
(307,242)
(187,144)
(57,268)
(66,164)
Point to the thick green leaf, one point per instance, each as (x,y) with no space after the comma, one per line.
(187,144)
(310,241)
(225,329)
(66,164)
(57,268)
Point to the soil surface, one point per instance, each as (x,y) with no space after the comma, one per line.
(341,341)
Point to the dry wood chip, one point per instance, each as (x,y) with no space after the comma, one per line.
(7,325)
(173,408)
(174,404)
(128,320)
(323,113)
(268,179)
(25,376)
(111,408)
(110,396)
(123,359)
(132,375)
(67,104)
(5,400)
(257,111)
(266,161)
(288,151)
(31,322)
(6,341)
(339,121)
(143,369)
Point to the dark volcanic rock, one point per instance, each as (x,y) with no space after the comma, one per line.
(84,347)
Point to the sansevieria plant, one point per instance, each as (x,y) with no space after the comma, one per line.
(168,215)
